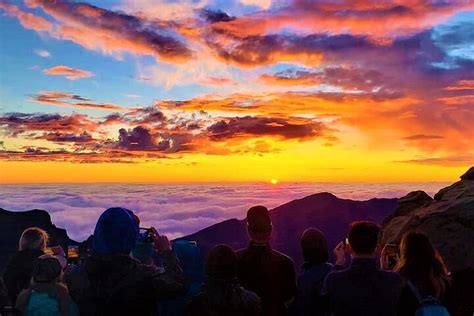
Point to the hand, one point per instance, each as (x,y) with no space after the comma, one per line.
(340,254)
(160,242)
(385,263)
(58,251)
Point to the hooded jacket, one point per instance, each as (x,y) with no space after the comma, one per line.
(111,282)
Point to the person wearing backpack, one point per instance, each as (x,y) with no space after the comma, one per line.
(427,286)
(308,300)
(47,295)
(112,282)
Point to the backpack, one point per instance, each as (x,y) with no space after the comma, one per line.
(43,304)
(429,305)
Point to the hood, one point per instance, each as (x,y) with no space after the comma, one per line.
(116,231)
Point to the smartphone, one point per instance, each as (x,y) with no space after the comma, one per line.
(49,251)
(346,242)
(145,235)
(391,253)
(72,255)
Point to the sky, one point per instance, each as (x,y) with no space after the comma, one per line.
(236,90)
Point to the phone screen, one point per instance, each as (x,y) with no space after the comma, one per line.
(72,252)
(48,251)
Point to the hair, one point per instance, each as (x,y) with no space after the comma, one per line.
(33,238)
(221,263)
(421,263)
(364,237)
(259,223)
(314,246)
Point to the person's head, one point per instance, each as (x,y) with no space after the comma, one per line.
(116,231)
(259,224)
(47,269)
(221,263)
(420,262)
(314,246)
(364,238)
(33,238)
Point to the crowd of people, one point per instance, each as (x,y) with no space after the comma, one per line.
(129,272)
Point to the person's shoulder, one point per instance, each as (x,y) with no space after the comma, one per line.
(250,296)
(281,257)
(392,276)
(240,252)
(335,275)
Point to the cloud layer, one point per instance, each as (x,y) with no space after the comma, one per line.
(176,210)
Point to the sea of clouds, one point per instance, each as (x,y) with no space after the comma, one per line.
(177,209)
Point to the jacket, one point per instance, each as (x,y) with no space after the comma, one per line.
(18,272)
(268,273)
(309,300)
(362,289)
(120,285)
(224,299)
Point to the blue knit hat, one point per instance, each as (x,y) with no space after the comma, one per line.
(116,231)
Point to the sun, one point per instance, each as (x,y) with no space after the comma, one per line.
(274,181)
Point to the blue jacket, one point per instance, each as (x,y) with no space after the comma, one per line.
(362,289)
(308,300)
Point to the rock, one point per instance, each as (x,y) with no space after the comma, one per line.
(448,220)
(408,203)
(12,224)
(469,175)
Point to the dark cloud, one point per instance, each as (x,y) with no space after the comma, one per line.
(422,137)
(66,99)
(348,78)
(17,123)
(266,49)
(148,115)
(94,27)
(139,138)
(214,16)
(263,126)
(59,137)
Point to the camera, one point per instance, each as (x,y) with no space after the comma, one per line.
(146,235)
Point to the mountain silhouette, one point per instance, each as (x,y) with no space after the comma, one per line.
(324,210)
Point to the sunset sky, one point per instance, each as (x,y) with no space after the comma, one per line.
(236,90)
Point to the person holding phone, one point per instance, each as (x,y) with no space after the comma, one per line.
(363,288)
(111,281)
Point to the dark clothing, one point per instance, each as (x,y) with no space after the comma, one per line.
(120,285)
(18,272)
(408,304)
(224,298)
(268,273)
(308,300)
(3,296)
(362,289)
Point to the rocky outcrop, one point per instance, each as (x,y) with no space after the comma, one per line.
(12,224)
(448,220)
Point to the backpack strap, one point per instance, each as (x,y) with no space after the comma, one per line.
(417,294)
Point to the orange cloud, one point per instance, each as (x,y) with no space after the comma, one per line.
(111,32)
(26,19)
(360,17)
(67,99)
(68,72)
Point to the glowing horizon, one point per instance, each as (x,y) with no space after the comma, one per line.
(240,91)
